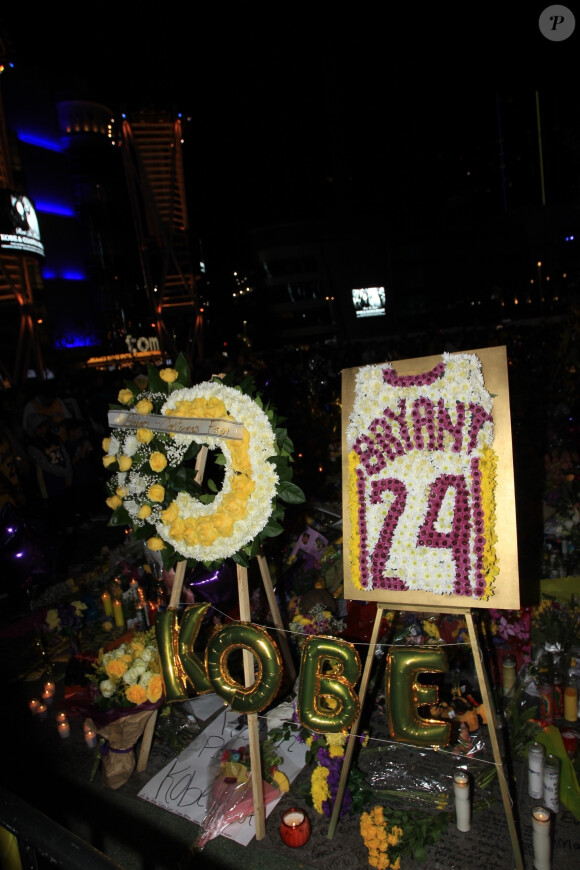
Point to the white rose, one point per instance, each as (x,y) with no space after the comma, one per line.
(130,676)
(107,688)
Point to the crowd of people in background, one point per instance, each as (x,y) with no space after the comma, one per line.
(51,431)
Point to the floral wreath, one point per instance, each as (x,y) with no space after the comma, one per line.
(153,487)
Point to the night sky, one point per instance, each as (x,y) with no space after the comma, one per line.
(289,107)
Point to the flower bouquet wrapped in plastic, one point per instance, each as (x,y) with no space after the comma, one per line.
(231,797)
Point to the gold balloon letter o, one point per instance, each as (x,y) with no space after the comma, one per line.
(244,635)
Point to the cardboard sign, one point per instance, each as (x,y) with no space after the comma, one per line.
(428,484)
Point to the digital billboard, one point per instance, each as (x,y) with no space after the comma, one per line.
(19,230)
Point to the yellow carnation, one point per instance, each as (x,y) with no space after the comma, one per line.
(114,502)
(155,688)
(156,492)
(168,375)
(125,397)
(156,544)
(144,407)
(144,436)
(157,461)
(136,694)
(144,512)
(125,463)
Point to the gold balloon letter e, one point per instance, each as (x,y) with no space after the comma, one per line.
(404,695)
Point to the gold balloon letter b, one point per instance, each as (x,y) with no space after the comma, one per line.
(404,695)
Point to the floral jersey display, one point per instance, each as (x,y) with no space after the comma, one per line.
(421,480)
(154,487)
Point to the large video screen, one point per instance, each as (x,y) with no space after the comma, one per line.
(369,301)
(19,230)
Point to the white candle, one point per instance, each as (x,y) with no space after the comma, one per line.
(91,738)
(462,800)
(63,728)
(49,688)
(34,704)
(42,711)
(47,696)
(61,717)
(541,837)
(294,818)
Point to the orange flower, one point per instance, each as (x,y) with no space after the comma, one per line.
(136,694)
(155,688)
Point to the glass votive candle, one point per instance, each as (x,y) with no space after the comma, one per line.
(61,717)
(49,688)
(91,738)
(541,837)
(42,711)
(295,828)
(33,705)
(63,728)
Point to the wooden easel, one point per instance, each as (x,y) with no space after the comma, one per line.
(248,659)
(488,706)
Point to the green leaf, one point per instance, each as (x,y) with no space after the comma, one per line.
(120,517)
(420,854)
(182,367)
(211,486)
(291,493)
(271,529)
(240,558)
(154,382)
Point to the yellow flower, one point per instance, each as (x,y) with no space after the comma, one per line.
(319,788)
(106,443)
(144,407)
(169,514)
(144,436)
(125,463)
(281,781)
(114,502)
(144,512)
(109,460)
(156,543)
(168,375)
(121,491)
(136,694)
(115,668)
(156,492)
(125,397)
(157,461)
(155,688)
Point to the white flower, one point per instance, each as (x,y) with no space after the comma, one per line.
(107,688)
(130,676)
(131,445)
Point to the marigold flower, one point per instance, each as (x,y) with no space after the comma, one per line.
(158,461)
(144,407)
(125,463)
(168,375)
(144,436)
(156,492)
(156,543)
(125,397)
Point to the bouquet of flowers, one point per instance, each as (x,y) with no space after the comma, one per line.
(128,690)
(231,797)
(388,834)
(556,624)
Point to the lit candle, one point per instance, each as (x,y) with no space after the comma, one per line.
(61,717)
(106,602)
(462,800)
(47,696)
(34,704)
(541,837)
(63,728)
(42,711)
(91,738)
(295,828)
(118,613)
(49,688)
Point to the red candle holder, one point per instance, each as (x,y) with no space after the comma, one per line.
(295,827)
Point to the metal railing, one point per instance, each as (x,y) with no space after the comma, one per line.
(42,842)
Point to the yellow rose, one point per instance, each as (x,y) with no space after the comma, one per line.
(121,492)
(155,544)
(115,668)
(109,460)
(144,407)
(215,408)
(155,688)
(177,529)
(157,461)
(125,397)
(224,523)
(114,502)
(169,514)
(144,436)
(106,443)
(168,375)
(156,492)
(125,463)
(243,485)
(136,694)
(206,531)
(144,512)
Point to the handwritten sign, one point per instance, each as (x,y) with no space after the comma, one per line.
(428,489)
(183,786)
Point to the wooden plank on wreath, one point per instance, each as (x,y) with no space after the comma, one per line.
(254,738)
(354,728)
(277,619)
